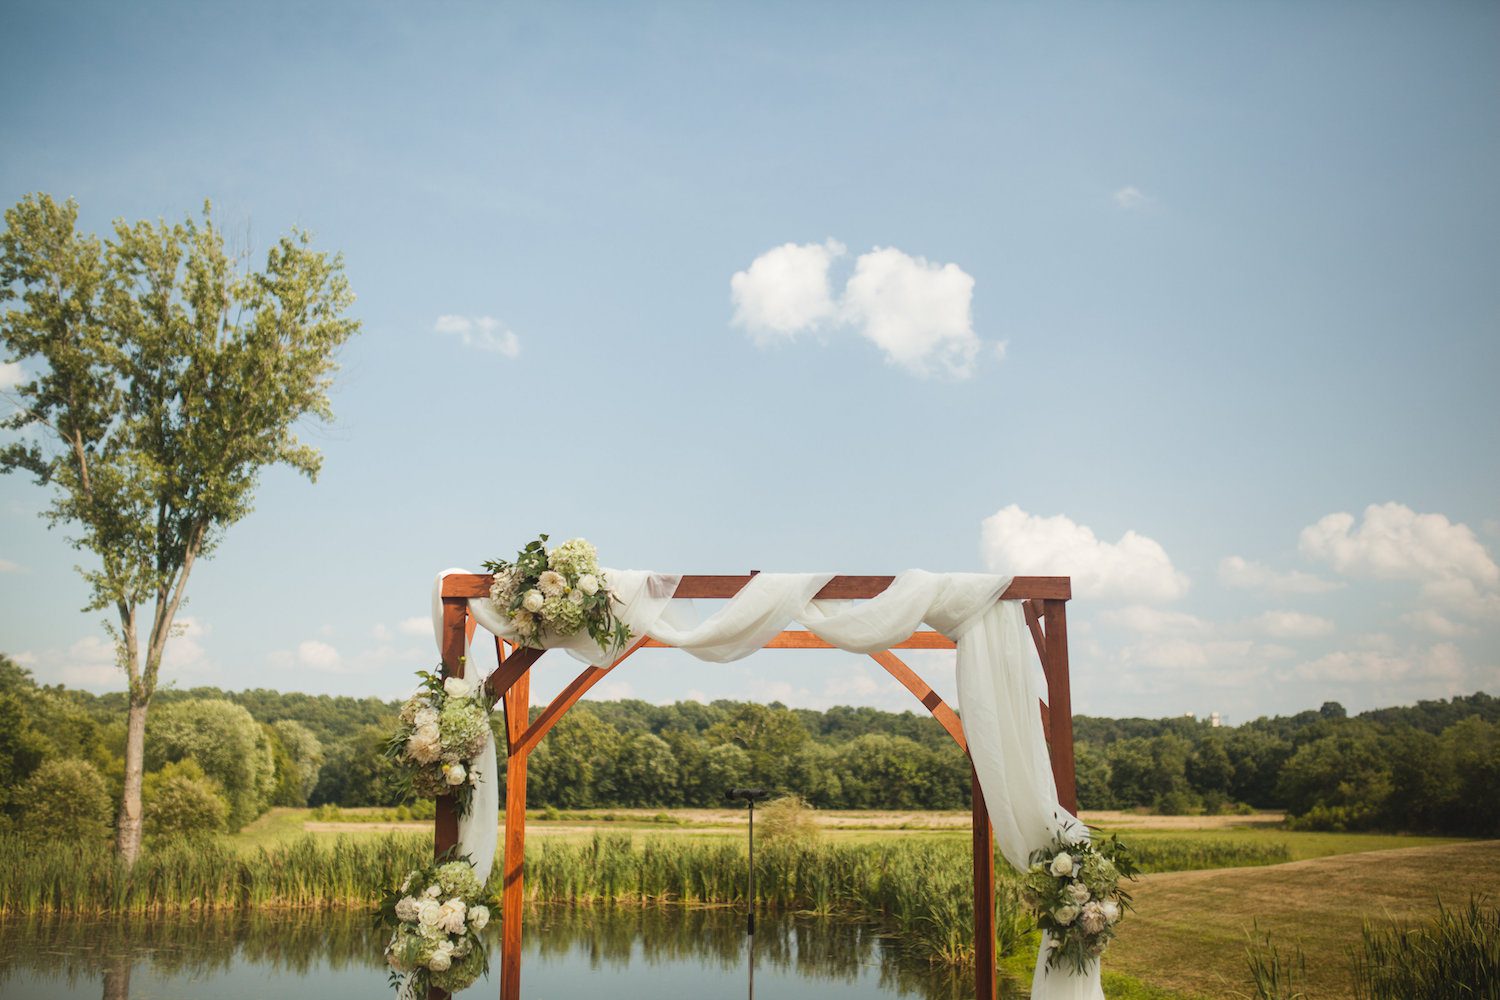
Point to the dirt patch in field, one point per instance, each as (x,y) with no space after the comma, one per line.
(1114,820)
(1189,931)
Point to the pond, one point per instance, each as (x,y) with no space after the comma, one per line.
(618,952)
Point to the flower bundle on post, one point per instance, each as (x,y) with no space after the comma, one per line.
(437,915)
(1073,891)
(441,727)
(559,593)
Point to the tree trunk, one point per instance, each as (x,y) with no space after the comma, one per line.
(128,826)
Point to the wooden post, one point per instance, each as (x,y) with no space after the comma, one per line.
(517,708)
(984,897)
(1060,704)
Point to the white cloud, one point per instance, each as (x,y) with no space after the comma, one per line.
(1235,571)
(1129,197)
(381,633)
(610,690)
(1153,621)
(1134,568)
(317,655)
(483,333)
(1291,624)
(417,625)
(11,374)
(1397,543)
(1428,620)
(918,312)
(6,566)
(184,652)
(785,291)
(1443,662)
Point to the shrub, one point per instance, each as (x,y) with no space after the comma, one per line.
(65,799)
(180,800)
(788,820)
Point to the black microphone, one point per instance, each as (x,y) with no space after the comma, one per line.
(748,794)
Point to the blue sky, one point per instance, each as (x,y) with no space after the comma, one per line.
(1196,303)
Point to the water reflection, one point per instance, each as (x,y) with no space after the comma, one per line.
(568,951)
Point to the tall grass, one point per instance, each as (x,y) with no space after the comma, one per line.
(1275,976)
(1182,854)
(1455,957)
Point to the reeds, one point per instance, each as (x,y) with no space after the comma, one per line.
(1455,957)
(1181,854)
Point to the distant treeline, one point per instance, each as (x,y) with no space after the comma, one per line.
(217,758)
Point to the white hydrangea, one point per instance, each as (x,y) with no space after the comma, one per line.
(433,892)
(407,908)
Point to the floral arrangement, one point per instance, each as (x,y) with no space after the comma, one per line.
(559,592)
(437,914)
(1073,890)
(441,726)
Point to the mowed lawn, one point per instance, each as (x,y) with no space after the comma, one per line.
(1189,931)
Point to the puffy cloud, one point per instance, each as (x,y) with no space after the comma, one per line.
(1397,543)
(1154,621)
(11,375)
(1129,197)
(483,333)
(1135,567)
(313,654)
(6,566)
(1428,620)
(785,291)
(1235,571)
(918,312)
(1292,625)
(1443,662)
(416,625)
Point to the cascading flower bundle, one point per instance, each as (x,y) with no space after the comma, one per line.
(437,915)
(557,592)
(1073,891)
(441,728)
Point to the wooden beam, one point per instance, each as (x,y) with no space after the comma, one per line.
(1033,614)
(566,698)
(510,670)
(455,622)
(984,896)
(1060,705)
(1051,588)
(513,862)
(924,693)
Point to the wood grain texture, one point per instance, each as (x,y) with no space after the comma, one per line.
(1060,705)
(1058,588)
(512,893)
(984,896)
(924,693)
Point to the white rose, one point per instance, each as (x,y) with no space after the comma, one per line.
(454,774)
(1111,910)
(458,687)
(433,892)
(407,909)
(533,601)
(440,961)
(425,717)
(1062,864)
(589,584)
(552,583)
(1065,914)
(452,919)
(478,917)
(1079,892)
(429,912)
(575,596)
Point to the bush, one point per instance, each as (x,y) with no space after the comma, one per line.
(788,820)
(180,800)
(1178,803)
(67,800)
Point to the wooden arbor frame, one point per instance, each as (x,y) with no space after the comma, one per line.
(1044,600)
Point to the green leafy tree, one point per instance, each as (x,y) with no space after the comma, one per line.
(162,377)
(358,773)
(303,752)
(181,800)
(65,799)
(574,767)
(226,742)
(646,774)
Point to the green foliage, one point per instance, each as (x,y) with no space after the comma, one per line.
(1455,957)
(65,800)
(574,766)
(226,742)
(788,820)
(1274,976)
(180,800)
(303,752)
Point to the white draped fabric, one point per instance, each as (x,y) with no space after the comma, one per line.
(998,687)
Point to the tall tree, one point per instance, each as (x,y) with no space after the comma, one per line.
(163,376)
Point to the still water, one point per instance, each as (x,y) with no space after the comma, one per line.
(594,953)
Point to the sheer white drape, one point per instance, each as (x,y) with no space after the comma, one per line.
(998,687)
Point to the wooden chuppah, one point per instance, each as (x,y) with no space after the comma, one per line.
(1044,600)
